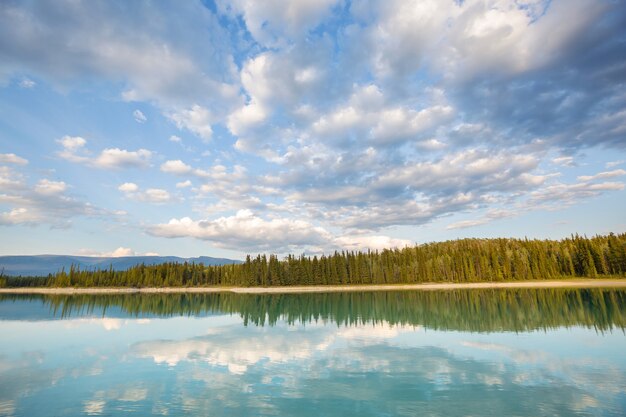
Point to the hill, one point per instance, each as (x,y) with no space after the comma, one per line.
(41,265)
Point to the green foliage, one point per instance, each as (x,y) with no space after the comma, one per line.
(466,260)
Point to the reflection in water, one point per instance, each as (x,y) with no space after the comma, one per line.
(453,353)
(470,310)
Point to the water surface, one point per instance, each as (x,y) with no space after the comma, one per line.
(439,353)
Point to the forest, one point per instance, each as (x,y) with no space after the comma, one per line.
(464,260)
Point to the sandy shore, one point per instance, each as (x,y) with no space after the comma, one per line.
(574,283)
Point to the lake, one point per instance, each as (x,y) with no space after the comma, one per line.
(434,353)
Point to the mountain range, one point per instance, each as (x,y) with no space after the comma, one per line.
(40,265)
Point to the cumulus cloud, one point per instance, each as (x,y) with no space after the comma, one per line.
(11,158)
(48,187)
(128,187)
(45,202)
(274,21)
(196,119)
(184,184)
(245,230)
(27,83)
(121,158)
(158,63)
(150,195)
(73,150)
(139,116)
(176,167)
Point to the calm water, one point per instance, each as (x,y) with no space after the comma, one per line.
(453,353)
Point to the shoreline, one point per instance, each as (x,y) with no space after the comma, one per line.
(567,283)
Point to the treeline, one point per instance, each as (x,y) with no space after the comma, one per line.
(465,260)
(463,310)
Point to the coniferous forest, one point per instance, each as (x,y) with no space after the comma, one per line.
(465,260)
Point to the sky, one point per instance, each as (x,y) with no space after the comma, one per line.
(227,128)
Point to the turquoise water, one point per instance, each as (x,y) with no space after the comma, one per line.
(454,353)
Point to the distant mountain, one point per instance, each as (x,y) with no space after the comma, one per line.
(39,265)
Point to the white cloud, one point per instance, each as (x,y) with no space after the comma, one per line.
(176,167)
(20,215)
(397,124)
(72,143)
(27,83)
(44,202)
(196,119)
(362,243)
(489,217)
(602,175)
(128,187)
(11,158)
(246,117)
(612,164)
(271,21)
(183,184)
(175,139)
(567,161)
(74,151)
(156,195)
(139,116)
(117,253)
(48,187)
(246,231)
(158,63)
(121,251)
(121,158)
(150,195)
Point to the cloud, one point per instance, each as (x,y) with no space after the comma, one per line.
(117,253)
(561,195)
(567,161)
(246,231)
(72,143)
(196,120)
(183,184)
(121,158)
(487,218)
(602,175)
(346,116)
(363,243)
(139,116)
(73,150)
(46,202)
(48,187)
(176,167)
(128,187)
(272,21)
(150,195)
(11,158)
(157,63)
(27,83)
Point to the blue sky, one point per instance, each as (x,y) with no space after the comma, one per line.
(226,128)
